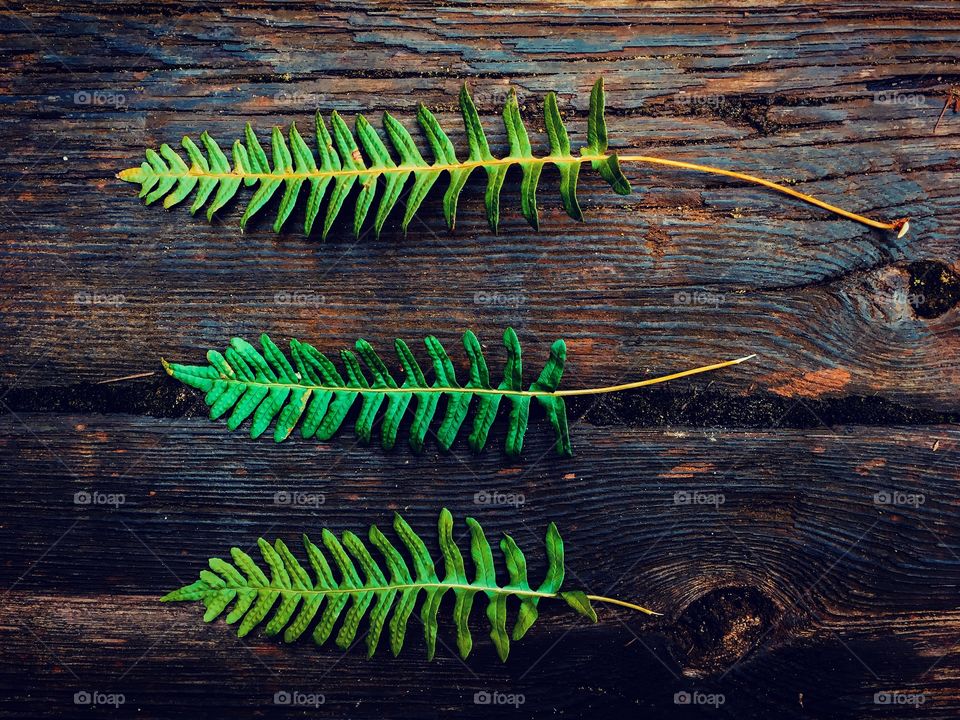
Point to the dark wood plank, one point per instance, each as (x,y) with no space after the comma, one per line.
(799,591)
(799,596)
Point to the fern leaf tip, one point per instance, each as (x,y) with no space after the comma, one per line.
(131,175)
(580,602)
(167,367)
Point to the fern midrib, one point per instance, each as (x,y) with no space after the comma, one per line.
(400,586)
(291,174)
(476,391)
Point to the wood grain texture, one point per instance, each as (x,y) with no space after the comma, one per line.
(829,594)
(798,596)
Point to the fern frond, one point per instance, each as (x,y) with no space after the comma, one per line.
(341,162)
(267,388)
(377,589)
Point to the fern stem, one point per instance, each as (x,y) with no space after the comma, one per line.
(902,226)
(622,603)
(651,381)
(475,391)
(495,589)
(398,586)
(130,174)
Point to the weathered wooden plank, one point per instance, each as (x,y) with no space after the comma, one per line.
(847,337)
(798,596)
(679,234)
(799,582)
(165,664)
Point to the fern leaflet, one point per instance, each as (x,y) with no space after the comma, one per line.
(295,596)
(341,162)
(266,387)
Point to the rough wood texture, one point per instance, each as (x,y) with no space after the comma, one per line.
(799,596)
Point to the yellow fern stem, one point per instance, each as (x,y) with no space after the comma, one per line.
(901,226)
(622,603)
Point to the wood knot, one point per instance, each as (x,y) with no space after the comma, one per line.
(934,288)
(718,629)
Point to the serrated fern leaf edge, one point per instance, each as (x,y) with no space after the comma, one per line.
(381,590)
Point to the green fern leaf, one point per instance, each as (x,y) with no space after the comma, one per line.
(165,175)
(294,597)
(265,388)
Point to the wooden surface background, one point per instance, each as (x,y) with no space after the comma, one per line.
(799,596)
